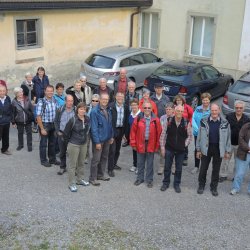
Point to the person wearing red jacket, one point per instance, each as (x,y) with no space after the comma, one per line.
(144,138)
(146,97)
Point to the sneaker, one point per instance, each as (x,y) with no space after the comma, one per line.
(111,173)
(214,192)
(95,183)
(185,163)
(19,148)
(56,162)
(61,171)
(46,164)
(164,187)
(73,188)
(195,170)
(234,191)
(132,169)
(117,167)
(221,179)
(177,189)
(138,182)
(200,190)
(83,183)
(7,152)
(103,178)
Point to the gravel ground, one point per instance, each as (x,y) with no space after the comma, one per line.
(37,211)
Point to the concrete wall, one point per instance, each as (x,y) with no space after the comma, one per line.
(68,38)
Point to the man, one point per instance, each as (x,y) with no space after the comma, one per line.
(87,90)
(213,141)
(236,120)
(243,159)
(102,137)
(59,95)
(120,113)
(160,99)
(175,137)
(131,94)
(46,112)
(5,119)
(63,115)
(104,89)
(121,84)
(146,98)
(144,138)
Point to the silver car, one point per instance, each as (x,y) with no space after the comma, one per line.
(240,90)
(107,62)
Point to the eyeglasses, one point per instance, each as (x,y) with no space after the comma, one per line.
(95,101)
(239,107)
(147,108)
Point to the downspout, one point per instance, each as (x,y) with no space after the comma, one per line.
(132,26)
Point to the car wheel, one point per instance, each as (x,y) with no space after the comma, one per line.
(195,102)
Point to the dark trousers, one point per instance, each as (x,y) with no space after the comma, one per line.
(169,157)
(196,160)
(134,158)
(47,141)
(63,150)
(4,136)
(28,129)
(213,152)
(114,150)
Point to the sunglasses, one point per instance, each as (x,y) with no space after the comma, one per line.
(239,107)
(147,108)
(95,101)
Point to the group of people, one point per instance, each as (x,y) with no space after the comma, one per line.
(68,123)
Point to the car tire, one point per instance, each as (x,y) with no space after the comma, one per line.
(195,101)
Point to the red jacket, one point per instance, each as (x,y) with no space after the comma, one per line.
(188,113)
(154,107)
(137,134)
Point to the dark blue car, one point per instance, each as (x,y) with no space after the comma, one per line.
(190,80)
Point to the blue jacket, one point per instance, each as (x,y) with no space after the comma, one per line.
(59,99)
(5,111)
(101,128)
(196,119)
(39,86)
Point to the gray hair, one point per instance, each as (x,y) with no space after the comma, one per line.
(102,79)
(145,91)
(131,83)
(169,105)
(96,96)
(82,77)
(239,102)
(28,74)
(17,90)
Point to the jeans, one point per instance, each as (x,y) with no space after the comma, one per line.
(28,129)
(169,157)
(241,168)
(63,150)
(47,141)
(142,158)
(4,136)
(213,152)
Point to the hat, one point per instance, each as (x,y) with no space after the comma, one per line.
(159,85)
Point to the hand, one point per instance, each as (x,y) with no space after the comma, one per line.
(198,155)
(59,133)
(14,125)
(163,152)
(111,141)
(134,148)
(43,132)
(227,156)
(98,146)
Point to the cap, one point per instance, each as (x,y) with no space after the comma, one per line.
(159,85)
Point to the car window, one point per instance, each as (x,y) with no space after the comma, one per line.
(241,88)
(210,72)
(124,63)
(168,70)
(149,58)
(197,75)
(135,60)
(99,61)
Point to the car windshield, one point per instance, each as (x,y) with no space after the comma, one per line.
(168,70)
(99,61)
(241,88)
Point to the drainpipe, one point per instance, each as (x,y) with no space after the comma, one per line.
(132,26)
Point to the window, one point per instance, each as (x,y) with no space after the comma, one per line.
(27,33)
(210,72)
(149,30)
(198,75)
(99,61)
(150,58)
(136,60)
(202,35)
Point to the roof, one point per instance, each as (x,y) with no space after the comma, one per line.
(15,5)
(185,65)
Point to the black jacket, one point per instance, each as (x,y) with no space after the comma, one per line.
(5,111)
(70,91)
(22,115)
(127,100)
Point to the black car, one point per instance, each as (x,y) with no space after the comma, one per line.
(190,80)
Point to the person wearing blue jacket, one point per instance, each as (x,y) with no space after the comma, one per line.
(201,112)
(102,137)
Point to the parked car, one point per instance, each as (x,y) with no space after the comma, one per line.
(108,61)
(240,90)
(190,80)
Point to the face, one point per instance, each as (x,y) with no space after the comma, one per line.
(159,90)
(145,95)
(29,78)
(20,94)
(178,112)
(147,109)
(78,86)
(94,102)
(81,111)
(103,84)
(131,88)
(59,91)
(123,73)
(119,98)
(205,102)
(83,81)
(49,92)
(215,111)
(41,73)
(69,102)
(104,100)
(3,91)
(134,107)
(179,101)
(169,111)
(239,109)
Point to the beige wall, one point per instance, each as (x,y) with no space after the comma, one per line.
(68,38)
(174,33)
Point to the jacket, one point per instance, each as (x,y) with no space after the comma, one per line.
(244,138)
(137,134)
(77,100)
(160,103)
(39,86)
(101,128)
(196,119)
(22,115)
(202,142)
(154,107)
(75,132)
(188,112)
(5,111)
(59,99)
(109,91)
(127,99)
(28,90)
(236,126)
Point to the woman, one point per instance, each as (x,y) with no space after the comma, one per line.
(76,134)
(146,98)
(77,92)
(22,117)
(201,112)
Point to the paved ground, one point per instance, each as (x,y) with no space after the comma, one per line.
(37,211)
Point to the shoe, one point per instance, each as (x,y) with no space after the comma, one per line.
(185,163)
(150,184)
(160,170)
(177,189)
(200,190)
(103,178)
(29,149)
(95,183)
(7,152)
(195,170)
(61,171)
(234,191)
(73,188)
(46,164)
(164,187)
(117,167)
(214,192)
(138,182)
(221,179)
(111,173)
(19,148)
(86,161)
(132,169)
(83,183)
(125,144)
(56,162)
